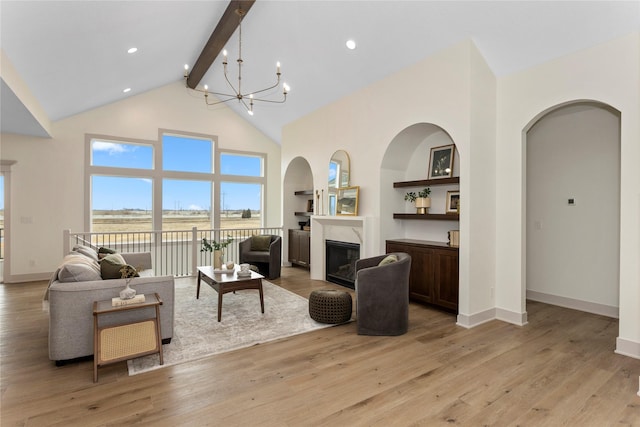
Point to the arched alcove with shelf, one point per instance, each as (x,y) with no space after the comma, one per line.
(297,188)
(434,277)
(406,163)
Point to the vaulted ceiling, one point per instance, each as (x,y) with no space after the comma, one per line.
(73,56)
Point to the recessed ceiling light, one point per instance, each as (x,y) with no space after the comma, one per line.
(132,50)
(351,44)
(127,90)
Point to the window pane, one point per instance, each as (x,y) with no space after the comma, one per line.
(121,155)
(186,204)
(240,205)
(120,204)
(236,164)
(185,154)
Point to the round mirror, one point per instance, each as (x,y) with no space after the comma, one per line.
(339,167)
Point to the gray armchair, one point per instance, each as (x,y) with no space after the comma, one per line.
(382,295)
(265,252)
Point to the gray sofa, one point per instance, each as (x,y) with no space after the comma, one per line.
(71,307)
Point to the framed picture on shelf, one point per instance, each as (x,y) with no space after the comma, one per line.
(347,201)
(310,205)
(441,161)
(453,202)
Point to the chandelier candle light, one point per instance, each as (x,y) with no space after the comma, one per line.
(237,91)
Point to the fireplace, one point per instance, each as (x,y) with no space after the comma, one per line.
(341,260)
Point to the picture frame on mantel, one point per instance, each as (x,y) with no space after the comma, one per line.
(347,201)
(441,161)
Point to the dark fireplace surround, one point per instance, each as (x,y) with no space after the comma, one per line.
(340,262)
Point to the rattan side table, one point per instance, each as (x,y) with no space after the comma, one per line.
(124,341)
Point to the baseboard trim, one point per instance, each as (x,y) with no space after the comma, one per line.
(518,319)
(19,278)
(628,348)
(470,321)
(575,304)
(473,320)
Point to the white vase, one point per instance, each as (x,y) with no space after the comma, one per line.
(423,204)
(217,258)
(127,292)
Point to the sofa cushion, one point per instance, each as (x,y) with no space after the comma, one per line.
(388,260)
(260,243)
(86,251)
(110,266)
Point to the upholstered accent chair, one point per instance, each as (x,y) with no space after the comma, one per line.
(382,294)
(265,252)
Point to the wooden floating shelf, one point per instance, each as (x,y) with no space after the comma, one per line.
(427,182)
(303,213)
(304,193)
(438,217)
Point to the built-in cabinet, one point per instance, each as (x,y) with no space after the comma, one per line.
(434,271)
(300,247)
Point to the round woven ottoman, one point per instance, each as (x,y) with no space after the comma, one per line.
(330,306)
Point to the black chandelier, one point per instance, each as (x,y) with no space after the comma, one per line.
(237,92)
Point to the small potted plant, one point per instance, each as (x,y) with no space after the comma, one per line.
(217,249)
(421,200)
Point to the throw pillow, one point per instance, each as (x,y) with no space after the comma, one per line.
(388,260)
(86,251)
(110,266)
(260,243)
(103,252)
(77,273)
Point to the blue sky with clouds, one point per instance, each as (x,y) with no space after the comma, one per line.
(179,154)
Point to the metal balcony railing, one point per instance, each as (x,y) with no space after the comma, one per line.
(174,253)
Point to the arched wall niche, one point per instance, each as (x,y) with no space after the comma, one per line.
(297,177)
(572,152)
(407,159)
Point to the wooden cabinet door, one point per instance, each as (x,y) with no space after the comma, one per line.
(421,276)
(304,246)
(446,279)
(294,246)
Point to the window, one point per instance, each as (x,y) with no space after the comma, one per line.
(186,204)
(121,204)
(121,155)
(187,154)
(242,165)
(240,205)
(127,178)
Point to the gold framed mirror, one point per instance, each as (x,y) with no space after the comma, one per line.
(339,176)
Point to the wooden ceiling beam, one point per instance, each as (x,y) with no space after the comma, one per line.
(219,38)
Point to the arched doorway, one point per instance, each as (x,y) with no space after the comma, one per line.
(573,207)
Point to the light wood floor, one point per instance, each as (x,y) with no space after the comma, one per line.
(558,370)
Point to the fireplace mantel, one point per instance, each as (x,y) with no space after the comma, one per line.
(352,229)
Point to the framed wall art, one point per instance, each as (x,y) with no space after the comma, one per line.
(347,201)
(453,202)
(441,162)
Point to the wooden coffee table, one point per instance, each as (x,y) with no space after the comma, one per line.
(229,282)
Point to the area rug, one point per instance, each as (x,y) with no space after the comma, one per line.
(197,332)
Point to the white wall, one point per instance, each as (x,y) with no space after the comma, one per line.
(48,178)
(437,91)
(573,250)
(487,120)
(607,73)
